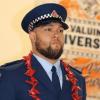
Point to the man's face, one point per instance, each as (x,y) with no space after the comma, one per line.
(49,40)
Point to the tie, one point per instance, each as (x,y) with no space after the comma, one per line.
(55,80)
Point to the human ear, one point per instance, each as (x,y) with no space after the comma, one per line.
(32,36)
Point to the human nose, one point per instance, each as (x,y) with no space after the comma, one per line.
(55,33)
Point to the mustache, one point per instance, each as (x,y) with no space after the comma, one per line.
(58,41)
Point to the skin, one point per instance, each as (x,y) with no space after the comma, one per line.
(50,35)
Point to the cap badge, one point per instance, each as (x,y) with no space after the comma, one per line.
(54,13)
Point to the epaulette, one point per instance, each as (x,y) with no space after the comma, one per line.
(11,65)
(75,69)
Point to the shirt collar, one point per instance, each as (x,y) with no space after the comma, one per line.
(48,66)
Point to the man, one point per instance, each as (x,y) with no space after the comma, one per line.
(42,75)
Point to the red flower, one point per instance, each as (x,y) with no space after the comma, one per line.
(30,72)
(73,80)
(75,88)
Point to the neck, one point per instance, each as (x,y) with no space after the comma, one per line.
(52,61)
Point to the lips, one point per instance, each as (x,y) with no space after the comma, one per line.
(56,42)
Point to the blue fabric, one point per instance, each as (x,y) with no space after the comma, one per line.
(56,81)
(48,66)
(14,87)
(42,10)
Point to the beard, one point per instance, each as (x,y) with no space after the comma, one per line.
(48,52)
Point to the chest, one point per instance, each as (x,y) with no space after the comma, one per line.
(46,91)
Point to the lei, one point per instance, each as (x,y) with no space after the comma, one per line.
(33,92)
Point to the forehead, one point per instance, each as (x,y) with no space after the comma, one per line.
(52,24)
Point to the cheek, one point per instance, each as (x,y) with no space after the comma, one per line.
(43,41)
(61,39)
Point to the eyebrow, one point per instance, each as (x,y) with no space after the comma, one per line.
(51,24)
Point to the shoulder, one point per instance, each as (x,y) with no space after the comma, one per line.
(77,73)
(12,65)
(10,70)
(74,69)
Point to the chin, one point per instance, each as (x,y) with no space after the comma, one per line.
(56,47)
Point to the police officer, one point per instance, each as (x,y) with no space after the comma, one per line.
(42,75)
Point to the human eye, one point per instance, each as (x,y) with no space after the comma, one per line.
(48,29)
(61,30)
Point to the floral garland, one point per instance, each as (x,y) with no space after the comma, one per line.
(73,80)
(33,92)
